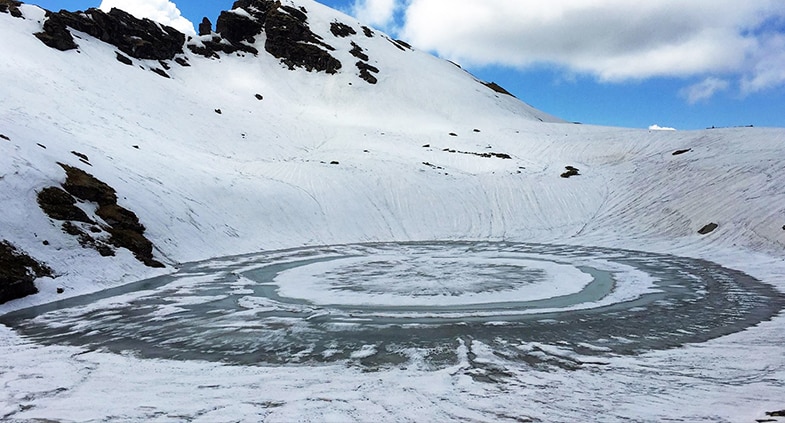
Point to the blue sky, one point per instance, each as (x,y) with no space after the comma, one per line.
(687,65)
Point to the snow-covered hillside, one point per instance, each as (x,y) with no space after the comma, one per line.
(239,152)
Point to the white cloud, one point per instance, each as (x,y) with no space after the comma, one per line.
(656,127)
(704,90)
(378,13)
(162,11)
(614,40)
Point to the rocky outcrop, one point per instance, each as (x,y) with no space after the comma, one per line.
(121,224)
(12,7)
(138,38)
(288,36)
(206,27)
(18,272)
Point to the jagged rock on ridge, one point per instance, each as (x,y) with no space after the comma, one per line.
(12,7)
(205,27)
(138,38)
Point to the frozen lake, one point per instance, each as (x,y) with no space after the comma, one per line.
(385,304)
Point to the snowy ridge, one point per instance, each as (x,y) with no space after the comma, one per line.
(331,159)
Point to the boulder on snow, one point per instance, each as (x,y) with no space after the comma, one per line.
(708,228)
(18,272)
(570,171)
(340,29)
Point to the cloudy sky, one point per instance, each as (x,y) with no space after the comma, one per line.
(673,63)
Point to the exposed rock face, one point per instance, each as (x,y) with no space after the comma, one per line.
(12,7)
(288,36)
(206,27)
(18,272)
(139,38)
(340,29)
(365,72)
(122,225)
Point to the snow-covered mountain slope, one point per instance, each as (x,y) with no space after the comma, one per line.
(222,153)
(327,158)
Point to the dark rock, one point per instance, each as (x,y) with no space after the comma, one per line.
(365,72)
(571,171)
(137,244)
(259,97)
(5,137)
(161,72)
(357,52)
(426,146)
(205,27)
(334,162)
(368,32)
(218,111)
(86,187)
(12,7)
(164,65)
(708,228)
(57,36)
(45,242)
(135,146)
(237,28)
(342,30)
(476,130)
(120,218)
(403,44)
(60,205)
(780,413)
(80,155)
(123,58)
(18,272)
(453,134)
(498,88)
(182,62)
(677,152)
(60,290)
(41,145)
(138,38)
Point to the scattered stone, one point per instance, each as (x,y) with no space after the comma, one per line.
(123,59)
(475,130)
(45,242)
(426,146)
(164,65)
(571,171)
(135,146)
(453,134)
(259,97)
(677,152)
(341,29)
(41,145)
(368,32)
(182,61)
(161,72)
(780,413)
(365,72)
(18,272)
(80,155)
(5,137)
(357,52)
(498,88)
(205,27)
(708,228)
(218,111)
(60,290)
(334,162)
(403,44)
